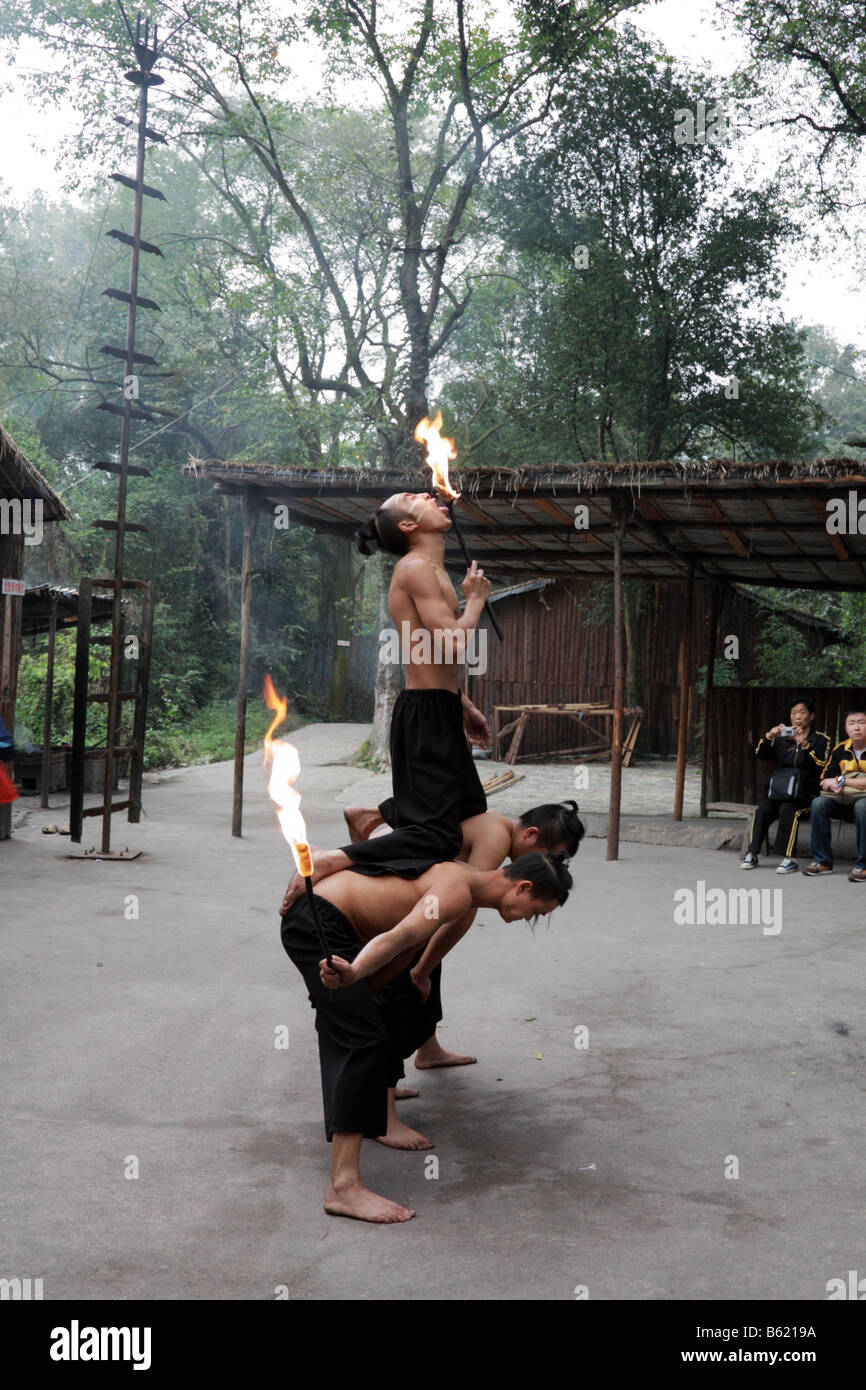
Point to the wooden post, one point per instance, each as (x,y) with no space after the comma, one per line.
(685,665)
(715,609)
(49,700)
(139,725)
(11,567)
(618,518)
(79,713)
(251,517)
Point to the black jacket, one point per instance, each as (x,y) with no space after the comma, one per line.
(811,758)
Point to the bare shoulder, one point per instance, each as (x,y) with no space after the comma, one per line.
(448,878)
(486,837)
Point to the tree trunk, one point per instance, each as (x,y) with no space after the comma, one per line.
(343,624)
(389,683)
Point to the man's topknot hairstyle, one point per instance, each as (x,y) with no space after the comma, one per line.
(557,823)
(382,532)
(547,873)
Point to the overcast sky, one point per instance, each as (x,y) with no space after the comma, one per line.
(826,292)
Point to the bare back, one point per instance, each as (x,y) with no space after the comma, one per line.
(374,903)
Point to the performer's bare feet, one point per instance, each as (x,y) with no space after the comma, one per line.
(358,1201)
(398,1135)
(430,1055)
(406,1092)
(347,1193)
(325,862)
(361,820)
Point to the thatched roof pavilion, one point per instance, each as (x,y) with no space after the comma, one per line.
(772,522)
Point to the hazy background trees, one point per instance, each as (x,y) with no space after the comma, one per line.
(489,216)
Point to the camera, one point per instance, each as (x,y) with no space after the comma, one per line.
(840,781)
(787,731)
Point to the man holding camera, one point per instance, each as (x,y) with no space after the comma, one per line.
(799,754)
(843,785)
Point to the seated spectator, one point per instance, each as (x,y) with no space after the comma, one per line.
(843,784)
(7,787)
(799,754)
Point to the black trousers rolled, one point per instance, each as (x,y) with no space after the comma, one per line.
(409,1019)
(436,786)
(788,814)
(358,1057)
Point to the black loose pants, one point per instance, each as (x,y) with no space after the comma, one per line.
(361,1040)
(436,786)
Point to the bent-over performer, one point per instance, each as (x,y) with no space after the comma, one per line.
(375,926)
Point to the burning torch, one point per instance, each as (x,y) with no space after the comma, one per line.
(440,452)
(285,766)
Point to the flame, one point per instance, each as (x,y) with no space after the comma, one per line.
(439,452)
(284,762)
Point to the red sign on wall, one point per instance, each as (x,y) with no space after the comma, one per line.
(14,586)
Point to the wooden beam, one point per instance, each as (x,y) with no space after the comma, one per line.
(251,518)
(839,547)
(724,525)
(685,665)
(712,634)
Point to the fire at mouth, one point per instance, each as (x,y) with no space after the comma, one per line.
(440,452)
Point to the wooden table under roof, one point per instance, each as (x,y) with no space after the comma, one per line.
(720,521)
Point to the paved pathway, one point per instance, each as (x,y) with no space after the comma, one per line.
(147,1043)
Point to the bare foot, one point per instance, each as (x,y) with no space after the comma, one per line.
(358,1201)
(325,862)
(400,1136)
(430,1055)
(361,820)
(406,1093)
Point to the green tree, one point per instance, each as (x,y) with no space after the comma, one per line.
(645,282)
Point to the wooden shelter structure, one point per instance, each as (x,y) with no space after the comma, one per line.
(24,496)
(557,650)
(49,608)
(769,523)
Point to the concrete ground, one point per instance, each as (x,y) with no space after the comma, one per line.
(148,1043)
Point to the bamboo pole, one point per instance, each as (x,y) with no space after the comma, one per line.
(618,517)
(251,517)
(685,665)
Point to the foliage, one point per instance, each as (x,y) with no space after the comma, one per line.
(666,343)
(208,736)
(807,74)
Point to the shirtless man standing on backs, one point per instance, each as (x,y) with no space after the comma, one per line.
(435,781)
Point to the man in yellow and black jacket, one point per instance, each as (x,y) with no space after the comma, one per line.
(843,782)
(799,757)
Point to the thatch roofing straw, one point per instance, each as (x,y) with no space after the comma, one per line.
(19,477)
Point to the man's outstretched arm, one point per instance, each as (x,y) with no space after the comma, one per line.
(446,901)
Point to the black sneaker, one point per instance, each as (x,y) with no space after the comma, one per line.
(749,861)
